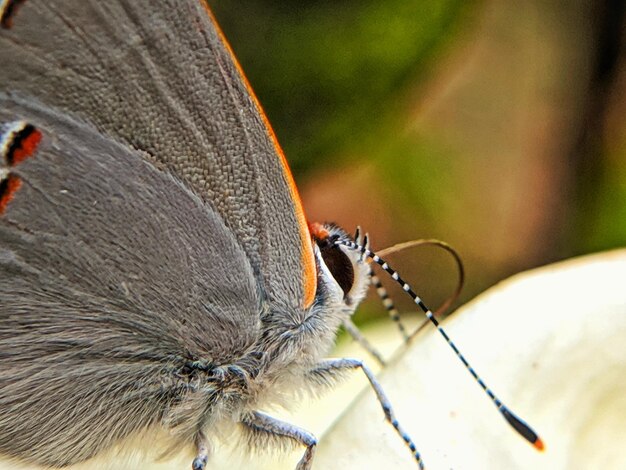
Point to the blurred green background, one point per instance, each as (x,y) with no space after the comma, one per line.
(497,126)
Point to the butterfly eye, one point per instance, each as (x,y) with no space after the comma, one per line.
(339,265)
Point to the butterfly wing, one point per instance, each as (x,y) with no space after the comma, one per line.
(159,77)
(114,276)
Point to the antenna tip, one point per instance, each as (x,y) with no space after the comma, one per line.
(521,427)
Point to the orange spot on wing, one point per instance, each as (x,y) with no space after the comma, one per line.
(7,12)
(539,445)
(27,147)
(8,187)
(308,261)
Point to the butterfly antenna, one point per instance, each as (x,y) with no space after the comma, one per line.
(460,269)
(380,289)
(353,330)
(519,425)
(387,302)
(389,305)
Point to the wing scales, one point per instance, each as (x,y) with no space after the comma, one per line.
(113,277)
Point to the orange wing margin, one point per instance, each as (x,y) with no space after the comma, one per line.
(308,262)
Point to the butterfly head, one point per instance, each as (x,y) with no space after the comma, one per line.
(341,271)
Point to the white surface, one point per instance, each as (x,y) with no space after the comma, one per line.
(552,345)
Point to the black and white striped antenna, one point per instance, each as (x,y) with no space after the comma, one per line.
(518,424)
(392,311)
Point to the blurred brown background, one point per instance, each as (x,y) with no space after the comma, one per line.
(497,126)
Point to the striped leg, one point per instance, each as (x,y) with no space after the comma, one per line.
(262,427)
(331,367)
(202,447)
(354,331)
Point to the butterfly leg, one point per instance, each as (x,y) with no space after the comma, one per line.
(326,370)
(357,336)
(202,446)
(263,426)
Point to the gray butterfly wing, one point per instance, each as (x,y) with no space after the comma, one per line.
(158,76)
(114,277)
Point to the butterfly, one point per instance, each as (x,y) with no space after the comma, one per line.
(156,266)
(157,271)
